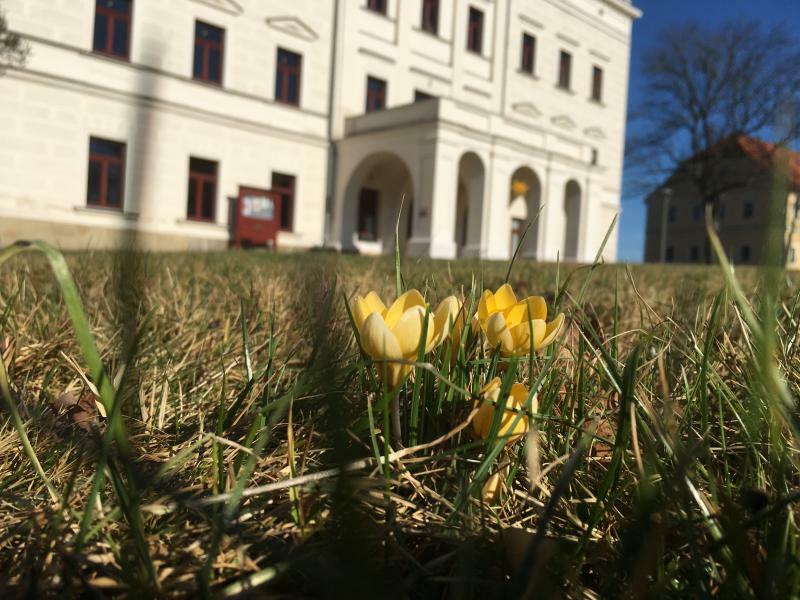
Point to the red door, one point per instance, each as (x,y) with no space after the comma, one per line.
(257,218)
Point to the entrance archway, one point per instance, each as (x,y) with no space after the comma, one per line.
(372,203)
(469,205)
(523,208)
(572,219)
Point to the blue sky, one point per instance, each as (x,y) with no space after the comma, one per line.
(657,14)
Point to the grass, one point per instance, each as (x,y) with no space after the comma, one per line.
(243,448)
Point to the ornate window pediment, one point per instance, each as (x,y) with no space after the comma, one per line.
(564,121)
(528,109)
(228,6)
(595,133)
(293,26)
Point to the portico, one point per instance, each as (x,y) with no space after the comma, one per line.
(464,192)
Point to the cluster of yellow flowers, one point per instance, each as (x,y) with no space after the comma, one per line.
(512,327)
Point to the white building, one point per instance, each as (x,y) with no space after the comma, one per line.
(139,119)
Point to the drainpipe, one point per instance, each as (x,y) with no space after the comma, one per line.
(332,154)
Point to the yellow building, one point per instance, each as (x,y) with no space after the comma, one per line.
(759,199)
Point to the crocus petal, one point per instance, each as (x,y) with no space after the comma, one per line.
(504,297)
(445,317)
(492,389)
(408,300)
(520,395)
(482,422)
(364,307)
(522,336)
(497,333)
(552,330)
(492,488)
(408,331)
(536,306)
(511,431)
(516,314)
(377,340)
(486,306)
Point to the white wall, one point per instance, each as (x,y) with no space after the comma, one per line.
(508,118)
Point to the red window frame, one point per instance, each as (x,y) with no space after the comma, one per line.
(286,192)
(206,46)
(378,6)
(112,16)
(368,202)
(597,84)
(104,161)
(528,59)
(475,30)
(430,16)
(564,70)
(283,73)
(194,206)
(376,95)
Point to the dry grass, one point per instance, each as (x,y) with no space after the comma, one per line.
(682,487)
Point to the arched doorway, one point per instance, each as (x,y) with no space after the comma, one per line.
(469,205)
(523,209)
(372,202)
(572,219)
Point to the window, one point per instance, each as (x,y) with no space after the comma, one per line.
(565,70)
(284,185)
(595,157)
(430,16)
(744,254)
(378,6)
(748,210)
(376,94)
(528,53)
(106,187)
(287,77)
(202,200)
(792,255)
(209,50)
(597,84)
(670,254)
(112,28)
(420,96)
(697,213)
(475,31)
(673,214)
(368,215)
(694,253)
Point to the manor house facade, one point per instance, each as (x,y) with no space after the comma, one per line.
(145,119)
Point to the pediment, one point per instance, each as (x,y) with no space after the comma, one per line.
(293,26)
(595,133)
(564,121)
(228,6)
(527,108)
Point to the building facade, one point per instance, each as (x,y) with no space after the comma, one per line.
(759,204)
(141,119)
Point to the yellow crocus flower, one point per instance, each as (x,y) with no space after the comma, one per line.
(508,323)
(395,333)
(490,394)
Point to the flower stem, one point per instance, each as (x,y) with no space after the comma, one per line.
(397,426)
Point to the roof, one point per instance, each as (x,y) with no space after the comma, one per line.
(764,153)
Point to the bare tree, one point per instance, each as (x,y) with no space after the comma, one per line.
(13,49)
(705,86)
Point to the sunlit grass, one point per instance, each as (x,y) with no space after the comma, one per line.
(248,439)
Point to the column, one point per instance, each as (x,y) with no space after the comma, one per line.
(433,231)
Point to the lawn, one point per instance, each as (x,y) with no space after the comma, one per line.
(247,445)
